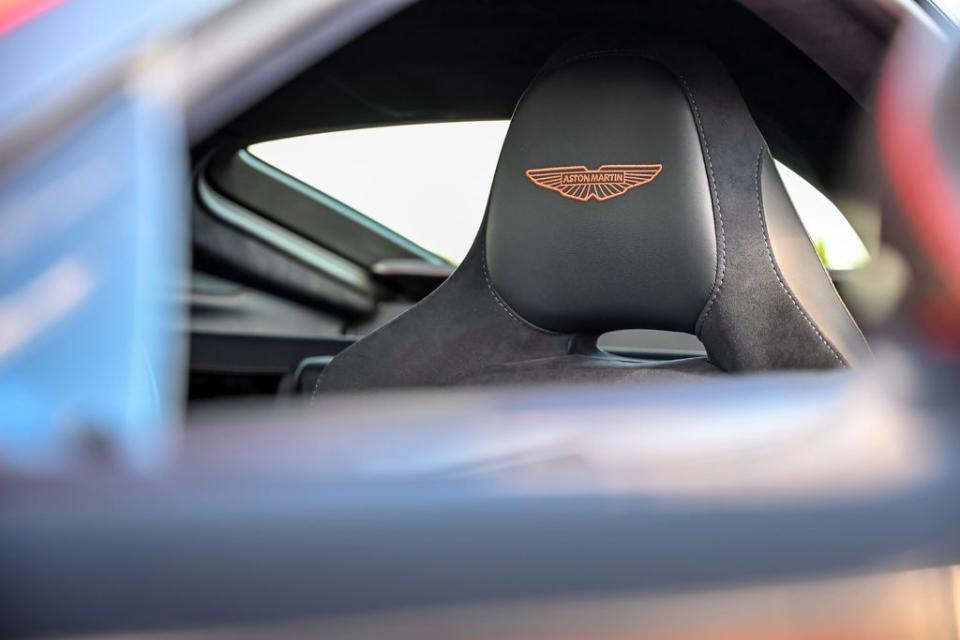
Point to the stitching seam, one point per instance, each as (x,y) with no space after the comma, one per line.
(316,385)
(776,269)
(503,305)
(722,248)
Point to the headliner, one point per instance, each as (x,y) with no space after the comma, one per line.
(471,59)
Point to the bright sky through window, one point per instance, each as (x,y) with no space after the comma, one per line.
(430,182)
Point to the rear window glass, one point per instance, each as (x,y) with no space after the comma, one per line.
(430,182)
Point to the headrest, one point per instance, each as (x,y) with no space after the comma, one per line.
(601,216)
(635,191)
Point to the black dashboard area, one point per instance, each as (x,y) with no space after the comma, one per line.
(243,341)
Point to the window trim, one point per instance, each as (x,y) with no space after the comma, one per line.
(337,268)
(295,208)
(340,207)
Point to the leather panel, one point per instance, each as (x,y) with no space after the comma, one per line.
(644,258)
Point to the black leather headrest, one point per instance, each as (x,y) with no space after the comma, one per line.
(600,216)
(635,191)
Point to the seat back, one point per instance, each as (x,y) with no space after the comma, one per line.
(633,191)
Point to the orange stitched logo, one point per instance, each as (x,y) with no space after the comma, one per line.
(605,182)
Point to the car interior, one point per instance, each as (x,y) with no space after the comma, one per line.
(704,270)
(504,318)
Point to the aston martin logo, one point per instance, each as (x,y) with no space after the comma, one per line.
(605,182)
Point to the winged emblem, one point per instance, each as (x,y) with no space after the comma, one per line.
(605,182)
